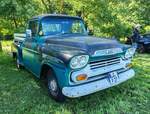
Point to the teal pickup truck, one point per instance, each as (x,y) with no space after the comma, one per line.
(58,50)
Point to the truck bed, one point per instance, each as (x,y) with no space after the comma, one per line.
(19,38)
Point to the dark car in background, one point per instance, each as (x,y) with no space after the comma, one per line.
(143,42)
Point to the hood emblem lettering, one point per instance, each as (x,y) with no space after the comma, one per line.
(106,52)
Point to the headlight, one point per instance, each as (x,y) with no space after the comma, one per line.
(79,61)
(130,52)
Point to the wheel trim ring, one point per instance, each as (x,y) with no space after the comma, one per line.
(18,65)
(53,85)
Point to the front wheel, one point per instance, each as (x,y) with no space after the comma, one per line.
(53,87)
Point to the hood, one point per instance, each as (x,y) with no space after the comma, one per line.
(87,44)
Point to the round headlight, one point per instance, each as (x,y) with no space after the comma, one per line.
(79,61)
(130,52)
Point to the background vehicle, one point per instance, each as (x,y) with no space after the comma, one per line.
(58,50)
(143,44)
(142,41)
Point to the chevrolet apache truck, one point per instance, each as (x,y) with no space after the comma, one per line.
(58,50)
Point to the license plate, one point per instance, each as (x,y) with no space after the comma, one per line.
(113,77)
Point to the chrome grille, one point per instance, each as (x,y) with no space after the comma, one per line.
(105,62)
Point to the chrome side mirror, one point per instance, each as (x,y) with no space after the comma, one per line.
(41,33)
(28,33)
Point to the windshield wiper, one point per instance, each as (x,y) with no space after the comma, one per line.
(63,33)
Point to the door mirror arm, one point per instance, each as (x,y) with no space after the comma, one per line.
(90,32)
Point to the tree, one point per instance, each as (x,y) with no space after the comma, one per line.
(106,17)
(15,13)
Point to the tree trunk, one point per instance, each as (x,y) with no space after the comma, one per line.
(0,46)
(45,5)
(62,6)
(15,22)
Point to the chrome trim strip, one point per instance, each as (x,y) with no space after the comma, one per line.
(33,51)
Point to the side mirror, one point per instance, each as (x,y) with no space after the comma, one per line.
(41,33)
(90,32)
(28,33)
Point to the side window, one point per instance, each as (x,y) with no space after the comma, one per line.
(33,25)
(77,27)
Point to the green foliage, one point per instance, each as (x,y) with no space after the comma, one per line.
(105,17)
(147,28)
(21,93)
(15,13)
(0,46)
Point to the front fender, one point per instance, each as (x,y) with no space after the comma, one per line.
(60,69)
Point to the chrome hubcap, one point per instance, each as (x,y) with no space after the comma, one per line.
(18,63)
(53,85)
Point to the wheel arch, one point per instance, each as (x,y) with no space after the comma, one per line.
(44,69)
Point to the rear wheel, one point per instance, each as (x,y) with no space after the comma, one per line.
(53,87)
(18,65)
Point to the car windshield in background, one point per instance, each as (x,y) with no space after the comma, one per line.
(53,26)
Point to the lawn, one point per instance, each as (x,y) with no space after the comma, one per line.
(21,93)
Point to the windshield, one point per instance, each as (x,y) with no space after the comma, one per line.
(146,35)
(53,26)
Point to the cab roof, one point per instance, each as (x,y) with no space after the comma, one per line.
(55,15)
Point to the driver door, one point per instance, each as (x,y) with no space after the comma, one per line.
(29,46)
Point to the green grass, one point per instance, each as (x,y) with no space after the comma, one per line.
(21,93)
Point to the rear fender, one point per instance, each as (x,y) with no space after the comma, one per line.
(19,54)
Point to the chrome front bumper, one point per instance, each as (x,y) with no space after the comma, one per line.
(85,89)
